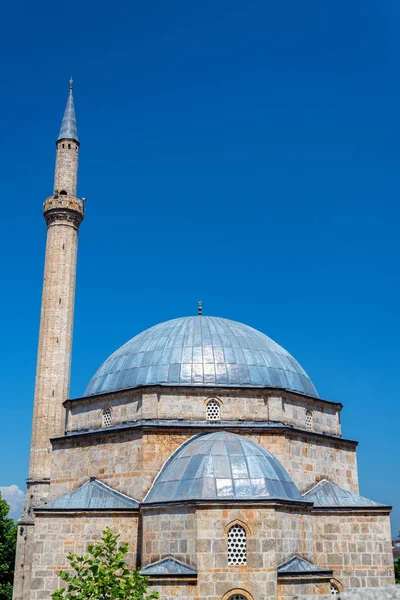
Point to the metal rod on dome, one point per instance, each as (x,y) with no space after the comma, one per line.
(200,308)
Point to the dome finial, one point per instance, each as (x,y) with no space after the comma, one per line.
(199,307)
(71,81)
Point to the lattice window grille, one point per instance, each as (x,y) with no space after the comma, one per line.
(107,417)
(334,590)
(309,419)
(237,597)
(213,411)
(237,546)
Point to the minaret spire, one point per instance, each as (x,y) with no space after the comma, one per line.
(66,173)
(68,129)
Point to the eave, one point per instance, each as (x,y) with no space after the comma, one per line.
(163,425)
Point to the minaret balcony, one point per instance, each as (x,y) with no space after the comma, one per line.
(63,208)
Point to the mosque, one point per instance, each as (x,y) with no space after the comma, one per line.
(201,441)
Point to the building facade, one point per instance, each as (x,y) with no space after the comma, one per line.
(201,441)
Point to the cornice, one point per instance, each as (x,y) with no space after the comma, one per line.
(162,426)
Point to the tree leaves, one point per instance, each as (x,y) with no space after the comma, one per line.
(8,542)
(103,574)
(397,570)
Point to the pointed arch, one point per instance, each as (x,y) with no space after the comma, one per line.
(237,545)
(213,409)
(237,522)
(336,587)
(237,592)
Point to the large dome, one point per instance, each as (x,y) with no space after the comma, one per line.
(201,351)
(221,466)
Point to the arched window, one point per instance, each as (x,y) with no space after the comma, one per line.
(213,411)
(237,594)
(309,419)
(237,545)
(107,417)
(63,193)
(334,589)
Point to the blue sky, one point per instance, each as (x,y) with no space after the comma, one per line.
(242,153)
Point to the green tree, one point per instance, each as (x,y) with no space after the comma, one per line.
(103,574)
(8,543)
(397,570)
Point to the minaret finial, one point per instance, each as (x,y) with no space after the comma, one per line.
(200,308)
(71,81)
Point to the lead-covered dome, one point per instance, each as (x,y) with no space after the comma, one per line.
(222,466)
(201,351)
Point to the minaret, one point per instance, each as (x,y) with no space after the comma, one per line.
(63,213)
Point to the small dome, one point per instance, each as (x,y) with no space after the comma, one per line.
(201,351)
(222,466)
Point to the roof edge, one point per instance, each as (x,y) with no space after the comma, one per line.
(385,508)
(340,502)
(188,570)
(129,504)
(204,502)
(43,509)
(158,424)
(309,570)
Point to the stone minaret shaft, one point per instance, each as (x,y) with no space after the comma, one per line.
(63,213)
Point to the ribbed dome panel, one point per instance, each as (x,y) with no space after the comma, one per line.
(222,465)
(201,351)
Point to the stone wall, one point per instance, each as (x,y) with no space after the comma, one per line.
(215,576)
(66,170)
(88,413)
(115,458)
(175,591)
(308,459)
(302,590)
(174,403)
(291,410)
(293,535)
(387,593)
(169,532)
(129,460)
(56,535)
(357,547)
